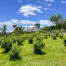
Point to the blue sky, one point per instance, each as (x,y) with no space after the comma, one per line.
(29,12)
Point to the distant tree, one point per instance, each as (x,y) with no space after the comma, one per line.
(64,24)
(4,29)
(1,34)
(57,19)
(37,25)
(14,26)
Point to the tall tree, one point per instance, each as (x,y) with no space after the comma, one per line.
(56,19)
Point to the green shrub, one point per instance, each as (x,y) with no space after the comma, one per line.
(6,44)
(57,34)
(0,42)
(15,53)
(61,35)
(38,45)
(19,41)
(30,40)
(64,41)
(46,36)
(25,36)
(14,40)
(54,37)
(22,39)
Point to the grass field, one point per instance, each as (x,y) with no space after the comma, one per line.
(54,55)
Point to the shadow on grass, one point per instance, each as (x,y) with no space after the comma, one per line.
(40,53)
(14,59)
(5,52)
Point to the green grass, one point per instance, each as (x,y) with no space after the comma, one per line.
(55,55)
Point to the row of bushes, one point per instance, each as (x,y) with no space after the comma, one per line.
(11,44)
(45,35)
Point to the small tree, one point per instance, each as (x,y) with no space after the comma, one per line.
(6,44)
(57,34)
(54,36)
(65,41)
(30,39)
(14,39)
(15,53)
(38,45)
(61,35)
(46,36)
(19,41)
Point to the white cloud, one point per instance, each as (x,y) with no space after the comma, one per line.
(49,4)
(14,21)
(47,8)
(63,1)
(27,22)
(30,10)
(6,23)
(49,0)
(31,23)
(9,23)
(46,23)
(41,22)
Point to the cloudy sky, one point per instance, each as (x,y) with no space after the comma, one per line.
(29,12)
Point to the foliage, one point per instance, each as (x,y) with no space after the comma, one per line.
(6,44)
(56,19)
(30,38)
(19,41)
(14,39)
(64,24)
(46,29)
(65,41)
(57,34)
(38,45)
(54,36)
(15,53)
(61,35)
(37,25)
(46,36)
(19,31)
(3,30)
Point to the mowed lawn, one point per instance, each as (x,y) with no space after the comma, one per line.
(54,55)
